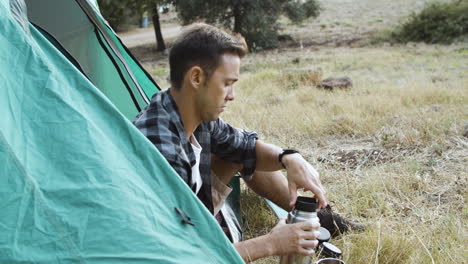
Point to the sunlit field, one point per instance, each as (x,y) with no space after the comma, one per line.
(391,150)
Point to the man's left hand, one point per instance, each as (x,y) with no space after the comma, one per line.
(302,175)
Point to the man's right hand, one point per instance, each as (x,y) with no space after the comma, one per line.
(295,238)
(283,239)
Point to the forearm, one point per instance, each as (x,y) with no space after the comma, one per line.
(267,156)
(255,248)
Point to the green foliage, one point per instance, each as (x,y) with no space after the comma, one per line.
(312,8)
(115,12)
(298,12)
(437,23)
(119,13)
(258,27)
(256,20)
(294,12)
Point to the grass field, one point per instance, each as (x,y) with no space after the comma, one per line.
(392,150)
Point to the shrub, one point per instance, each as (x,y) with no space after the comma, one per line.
(299,12)
(436,23)
(312,8)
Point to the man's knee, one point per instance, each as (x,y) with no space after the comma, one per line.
(224,170)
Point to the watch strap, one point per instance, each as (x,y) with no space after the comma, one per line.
(286,152)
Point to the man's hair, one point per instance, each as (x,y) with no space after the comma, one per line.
(202,45)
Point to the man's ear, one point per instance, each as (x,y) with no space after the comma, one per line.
(196,77)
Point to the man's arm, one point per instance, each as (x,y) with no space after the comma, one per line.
(157,127)
(283,239)
(300,173)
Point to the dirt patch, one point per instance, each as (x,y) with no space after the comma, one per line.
(353,153)
(355,158)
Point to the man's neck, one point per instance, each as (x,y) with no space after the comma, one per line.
(186,107)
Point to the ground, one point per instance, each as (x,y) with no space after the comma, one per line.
(392,150)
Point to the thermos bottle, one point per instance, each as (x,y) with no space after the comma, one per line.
(305,210)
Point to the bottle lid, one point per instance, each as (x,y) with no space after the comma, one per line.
(324,235)
(307,204)
(329,250)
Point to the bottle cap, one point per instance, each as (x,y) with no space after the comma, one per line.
(307,204)
(329,250)
(324,235)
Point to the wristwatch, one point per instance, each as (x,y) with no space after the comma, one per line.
(286,152)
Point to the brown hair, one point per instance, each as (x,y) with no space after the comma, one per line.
(203,45)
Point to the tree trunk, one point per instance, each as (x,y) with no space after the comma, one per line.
(157,29)
(237,18)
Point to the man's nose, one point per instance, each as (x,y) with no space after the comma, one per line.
(230,94)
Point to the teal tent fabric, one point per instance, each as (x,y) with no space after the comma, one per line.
(84,34)
(78,183)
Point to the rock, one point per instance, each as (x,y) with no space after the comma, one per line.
(436,108)
(336,83)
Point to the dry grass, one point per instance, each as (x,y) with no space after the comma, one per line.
(391,150)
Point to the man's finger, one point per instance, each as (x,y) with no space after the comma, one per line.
(318,192)
(310,244)
(306,251)
(292,194)
(306,225)
(322,201)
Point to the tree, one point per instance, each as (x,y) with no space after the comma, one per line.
(157,28)
(256,20)
(116,12)
(152,7)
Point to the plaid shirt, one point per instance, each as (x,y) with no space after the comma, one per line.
(160,122)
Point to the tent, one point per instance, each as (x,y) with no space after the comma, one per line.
(78,28)
(78,182)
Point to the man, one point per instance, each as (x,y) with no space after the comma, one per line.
(183,123)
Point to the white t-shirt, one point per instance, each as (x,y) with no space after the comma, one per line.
(196,177)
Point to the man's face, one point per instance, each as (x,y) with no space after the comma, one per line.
(219,88)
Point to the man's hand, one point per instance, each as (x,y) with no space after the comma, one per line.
(283,239)
(294,238)
(302,175)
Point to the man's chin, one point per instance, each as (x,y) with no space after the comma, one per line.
(211,118)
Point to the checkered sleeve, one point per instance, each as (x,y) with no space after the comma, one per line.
(235,145)
(159,129)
